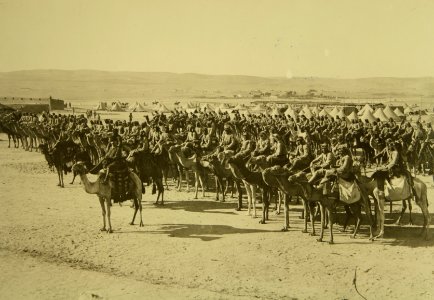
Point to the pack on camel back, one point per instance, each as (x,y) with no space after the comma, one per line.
(115,171)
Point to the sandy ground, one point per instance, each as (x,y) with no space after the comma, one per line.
(51,248)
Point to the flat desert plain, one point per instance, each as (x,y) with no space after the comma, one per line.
(51,248)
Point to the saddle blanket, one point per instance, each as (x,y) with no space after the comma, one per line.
(397,189)
(349,191)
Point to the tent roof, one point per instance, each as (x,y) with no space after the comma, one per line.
(290,112)
(341,114)
(163,109)
(334,112)
(367,115)
(398,112)
(353,116)
(116,107)
(259,107)
(323,113)
(367,106)
(390,113)
(315,111)
(408,110)
(306,112)
(379,114)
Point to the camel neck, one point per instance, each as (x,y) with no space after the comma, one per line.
(89,187)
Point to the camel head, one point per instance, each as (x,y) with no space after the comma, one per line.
(79,168)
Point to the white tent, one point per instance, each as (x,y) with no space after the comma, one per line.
(366,107)
(367,115)
(352,116)
(324,113)
(260,108)
(290,112)
(379,114)
(306,112)
(315,111)
(116,107)
(390,114)
(341,114)
(334,112)
(276,112)
(163,109)
(398,112)
(408,110)
(101,106)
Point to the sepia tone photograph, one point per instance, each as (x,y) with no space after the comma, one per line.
(230,149)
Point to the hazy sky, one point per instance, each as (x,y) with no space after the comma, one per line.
(322,38)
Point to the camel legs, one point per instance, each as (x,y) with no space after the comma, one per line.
(266,194)
(249,199)
(109,223)
(220,187)
(199,179)
(240,194)
(102,202)
(321,235)
(278,202)
(137,207)
(160,189)
(60,176)
(286,212)
(380,203)
(404,208)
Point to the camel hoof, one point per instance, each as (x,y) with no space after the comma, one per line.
(102,229)
(304,231)
(277,213)
(312,234)
(284,229)
(410,223)
(262,222)
(254,217)
(319,239)
(331,242)
(238,209)
(141,224)
(300,217)
(352,236)
(110,231)
(131,223)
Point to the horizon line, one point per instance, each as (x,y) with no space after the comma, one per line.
(217,75)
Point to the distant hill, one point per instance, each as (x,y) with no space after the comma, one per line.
(101,85)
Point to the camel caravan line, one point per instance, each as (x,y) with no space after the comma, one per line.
(320,161)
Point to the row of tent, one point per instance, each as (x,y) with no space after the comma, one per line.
(136,107)
(366,113)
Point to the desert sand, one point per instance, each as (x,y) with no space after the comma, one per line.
(51,248)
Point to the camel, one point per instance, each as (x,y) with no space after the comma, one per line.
(61,155)
(217,164)
(177,154)
(310,195)
(252,181)
(260,163)
(421,200)
(104,192)
(147,167)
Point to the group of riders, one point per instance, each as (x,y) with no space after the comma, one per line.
(320,146)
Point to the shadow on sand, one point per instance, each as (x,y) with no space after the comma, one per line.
(204,206)
(203,232)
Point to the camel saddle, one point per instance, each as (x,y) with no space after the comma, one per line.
(119,179)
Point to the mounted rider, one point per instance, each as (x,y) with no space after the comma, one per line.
(279,152)
(247,146)
(301,156)
(325,161)
(395,167)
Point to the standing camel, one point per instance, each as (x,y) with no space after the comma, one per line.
(252,181)
(189,164)
(104,192)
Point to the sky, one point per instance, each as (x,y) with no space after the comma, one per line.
(292,38)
